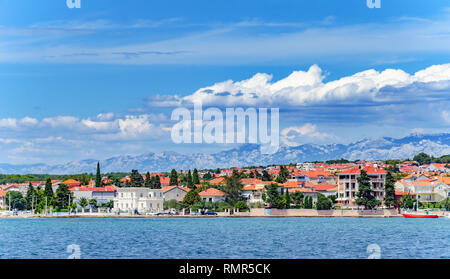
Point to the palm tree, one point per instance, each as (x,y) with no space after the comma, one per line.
(83,203)
(93,203)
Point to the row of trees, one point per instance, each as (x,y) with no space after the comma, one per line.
(38,199)
(136,180)
(297,199)
(189,179)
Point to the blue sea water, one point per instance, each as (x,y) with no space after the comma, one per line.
(237,238)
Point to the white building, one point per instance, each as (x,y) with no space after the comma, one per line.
(349,186)
(139,200)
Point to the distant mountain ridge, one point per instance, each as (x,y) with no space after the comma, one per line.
(249,155)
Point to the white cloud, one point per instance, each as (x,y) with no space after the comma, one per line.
(296,135)
(446,116)
(61,121)
(303,88)
(134,126)
(105,116)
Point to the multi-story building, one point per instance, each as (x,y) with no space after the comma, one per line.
(349,186)
(427,190)
(138,200)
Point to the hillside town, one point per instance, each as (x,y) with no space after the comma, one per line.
(331,185)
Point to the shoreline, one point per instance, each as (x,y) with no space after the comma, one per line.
(186,217)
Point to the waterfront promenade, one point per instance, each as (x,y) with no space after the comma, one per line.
(254,212)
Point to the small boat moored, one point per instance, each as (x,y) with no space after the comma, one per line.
(419,215)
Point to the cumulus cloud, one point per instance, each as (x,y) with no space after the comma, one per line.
(307,88)
(296,135)
(446,116)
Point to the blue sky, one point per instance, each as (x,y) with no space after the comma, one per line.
(66,72)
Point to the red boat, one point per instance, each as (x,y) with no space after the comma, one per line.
(419,215)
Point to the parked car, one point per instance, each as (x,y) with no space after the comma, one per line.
(162,214)
(210,213)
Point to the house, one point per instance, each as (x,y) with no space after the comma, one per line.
(350,186)
(427,190)
(212,195)
(314,177)
(2,199)
(165,181)
(71,183)
(253,189)
(218,181)
(100,194)
(174,192)
(435,167)
(326,189)
(138,200)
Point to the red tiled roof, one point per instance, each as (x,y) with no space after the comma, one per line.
(94,189)
(212,192)
(324,187)
(369,170)
(218,180)
(303,190)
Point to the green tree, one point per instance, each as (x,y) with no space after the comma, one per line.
(149,181)
(266,176)
(365,195)
(173,178)
(308,204)
(287,198)
(157,182)
(83,202)
(98,177)
(241,205)
(273,197)
(297,197)
(389,190)
(93,203)
(136,179)
(62,196)
(192,197)
(16,200)
(195,177)
(208,176)
(30,196)
(233,187)
(189,181)
(48,191)
(283,175)
(323,203)
(422,158)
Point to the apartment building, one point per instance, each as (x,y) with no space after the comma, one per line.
(349,186)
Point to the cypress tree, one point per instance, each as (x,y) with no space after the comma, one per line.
(189,181)
(48,190)
(366,196)
(30,197)
(195,177)
(98,177)
(287,198)
(173,178)
(157,183)
(148,181)
(389,190)
(136,179)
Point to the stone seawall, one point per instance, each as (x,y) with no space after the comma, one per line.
(261,212)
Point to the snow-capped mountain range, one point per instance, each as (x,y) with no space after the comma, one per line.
(249,155)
